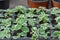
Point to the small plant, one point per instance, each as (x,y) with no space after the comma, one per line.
(57,26)
(21,19)
(29,15)
(20,9)
(44,26)
(6,22)
(57,19)
(31,10)
(21,25)
(9,12)
(43,17)
(55,11)
(5,33)
(24,30)
(56,33)
(35,33)
(32,22)
(42,29)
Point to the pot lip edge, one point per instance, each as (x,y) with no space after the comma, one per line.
(56,2)
(39,1)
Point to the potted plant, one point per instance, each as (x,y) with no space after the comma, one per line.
(5,33)
(30,24)
(37,3)
(56,35)
(56,3)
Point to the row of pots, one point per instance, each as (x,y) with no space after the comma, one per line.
(44,3)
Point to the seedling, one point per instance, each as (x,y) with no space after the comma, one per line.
(5,33)
(30,14)
(42,29)
(32,22)
(21,9)
(21,19)
(6,22)
(57,19)
(9,12)
(55,11)
(24,30)
(35,33)
(43,17)
(56,33)
(57,26)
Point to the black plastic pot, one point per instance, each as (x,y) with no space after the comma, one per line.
(4,4)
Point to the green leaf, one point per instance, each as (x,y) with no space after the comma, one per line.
(30,14)
(1,20)
(5,33)
(57,19)
(44,35)
(6,22)
(31,10)
(44,26)
(2,35)
(25,29)
(55,11)
(43,17)
(35,33)
(21,19)
(20,9)
(22,34)
(16,37)
(57,26)
(56,33)
(32,22)
(16,27)
(2,27)
(9,12)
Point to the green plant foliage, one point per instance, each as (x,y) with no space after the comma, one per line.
(21,19)
(1,20)
(43,17)
(24,32)
(55,11)
(56,33)
(16,27)
(35,33)
(9,12)
(41,9)
(6,22)
(57,19)
(44,35)
(30,14)
(38,19)
(32,22)
(2,27)
(5,33)
(42,29)
(20,9)
(44,26)
(57,26)
(31,10)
